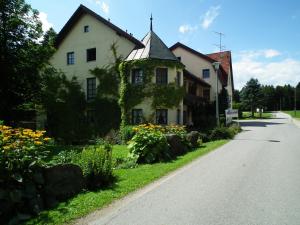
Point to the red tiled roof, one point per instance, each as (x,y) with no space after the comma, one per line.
(224,58)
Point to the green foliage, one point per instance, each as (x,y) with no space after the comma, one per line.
(107,111)
(64,103)
(131,95)
(223,101)
(204,137)
(126,163)
(168,96)
(22,56)
(21,150)
(224,132)
(106,117)
(65,157)
(149,146)
(251,95)
(277,98)
(127,132)
(128,181)
(96,164)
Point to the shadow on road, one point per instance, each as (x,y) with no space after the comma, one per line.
(257,123)
(248,139)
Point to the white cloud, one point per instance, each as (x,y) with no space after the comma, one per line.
(105,7)
(46,25)
(210,16)
(282,72)
(185,28)
(266,53)
(270,53)
(98,2)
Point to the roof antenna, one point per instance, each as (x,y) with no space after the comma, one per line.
(151,22)
(220,46)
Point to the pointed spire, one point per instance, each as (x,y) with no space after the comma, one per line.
(151,22)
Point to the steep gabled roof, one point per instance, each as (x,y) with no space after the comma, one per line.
(154,48)
(225,59)
(205,57)
(81,10)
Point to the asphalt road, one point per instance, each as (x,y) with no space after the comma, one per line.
(252,180)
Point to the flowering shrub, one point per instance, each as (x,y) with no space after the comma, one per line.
(169,129)
(149,144)
(21,149)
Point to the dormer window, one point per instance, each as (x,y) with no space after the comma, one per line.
(86,29)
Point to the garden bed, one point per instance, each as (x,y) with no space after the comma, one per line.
(128,180)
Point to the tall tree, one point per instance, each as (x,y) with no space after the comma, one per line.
(251,95)
(223,101)
(22,55)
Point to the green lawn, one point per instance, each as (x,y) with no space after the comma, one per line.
(265,115)
(292,113)
(128,180)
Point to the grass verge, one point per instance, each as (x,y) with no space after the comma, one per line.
(128,180)
(247,116)
(292,113)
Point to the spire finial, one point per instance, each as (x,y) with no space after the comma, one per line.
(151,18)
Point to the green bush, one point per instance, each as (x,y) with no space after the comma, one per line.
(65,105)
(204,137)
(65,157)
(20,151)
(127,132)
(125,163)
(221,133)
(235,128)
(96,164)
(224,132)
(149,146)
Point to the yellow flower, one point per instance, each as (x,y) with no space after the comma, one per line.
(38,143)
(5,138)
(6,147)
(47,139)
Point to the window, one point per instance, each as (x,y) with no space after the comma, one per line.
(179,58)
(90,116)
(162,75)
(178,78)
(137,76)
(178,116)
(205,73)
(86,29)
(91,54)
(162,116)
(137,116)
(206,93)
(91,90)
(70,58)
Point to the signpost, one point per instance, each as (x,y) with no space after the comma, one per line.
(230,114)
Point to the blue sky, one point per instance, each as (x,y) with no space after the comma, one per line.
(264,36)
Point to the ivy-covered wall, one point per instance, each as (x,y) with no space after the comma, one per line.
(158,96)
